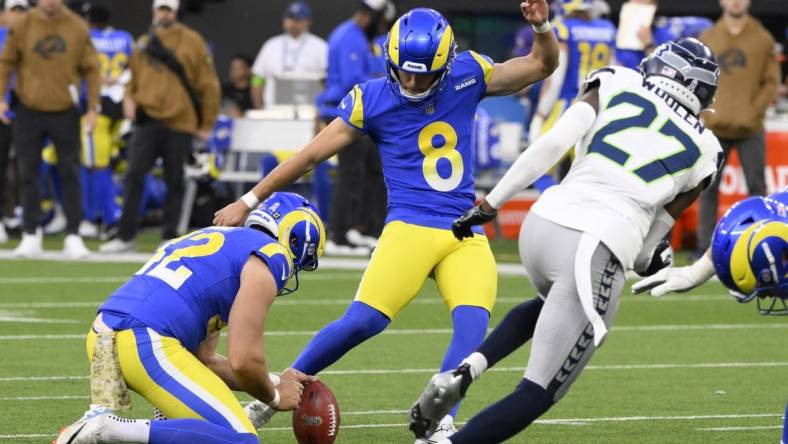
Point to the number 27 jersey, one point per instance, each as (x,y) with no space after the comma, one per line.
(425,147)
(642,151)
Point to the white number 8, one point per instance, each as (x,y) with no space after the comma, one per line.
(432,154)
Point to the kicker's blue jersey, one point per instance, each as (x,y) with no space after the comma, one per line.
(187,288)
(425,147)
(591,45)
(114,49)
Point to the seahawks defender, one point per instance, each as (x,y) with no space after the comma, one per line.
(738,257)
(643,156)
(421,117)
(166,321)
(586,44)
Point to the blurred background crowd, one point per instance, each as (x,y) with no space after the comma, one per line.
(123,115)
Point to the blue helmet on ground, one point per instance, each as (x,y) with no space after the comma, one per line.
(741,216)
(294,222)
(687,70)
(420,42)
(762,264)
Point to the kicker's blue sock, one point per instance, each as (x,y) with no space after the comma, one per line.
(470,326)
(516,328)
(190,431)
(507,417)
(104,195)
(359,323)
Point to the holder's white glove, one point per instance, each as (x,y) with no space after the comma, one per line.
(676,279)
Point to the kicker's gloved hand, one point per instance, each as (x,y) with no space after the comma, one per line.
(462,226)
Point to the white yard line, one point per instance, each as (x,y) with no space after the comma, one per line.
(738,428)
(747,365)
(558,421)
(446,331)
(345,301)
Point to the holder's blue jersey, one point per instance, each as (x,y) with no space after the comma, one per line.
(591,45)
(114,49)
(187,288)
(425,147)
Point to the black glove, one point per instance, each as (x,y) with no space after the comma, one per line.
(475,216)
(661,258)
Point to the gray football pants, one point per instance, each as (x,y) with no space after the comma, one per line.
(563,341)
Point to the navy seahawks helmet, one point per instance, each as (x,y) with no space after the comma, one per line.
(420,42)
(687,70)
(293,221)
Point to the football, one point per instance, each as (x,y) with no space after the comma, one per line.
(316,420)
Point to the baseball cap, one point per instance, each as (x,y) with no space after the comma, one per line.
(172,4)
(11,4)
(299,10)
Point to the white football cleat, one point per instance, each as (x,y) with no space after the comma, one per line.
(88,229)
(258,413)
(116,246)
(3,234)
(31,245)
(443,392)
(442,434)
(74,248)
(88,430)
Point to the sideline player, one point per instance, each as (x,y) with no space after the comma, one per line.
(113,47)
(586,44)
(421,116)
(643,156)
(166,319)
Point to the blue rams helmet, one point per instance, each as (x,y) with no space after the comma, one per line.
(294,222)
(762,263)
(685,69)
(741,216)
(420,42)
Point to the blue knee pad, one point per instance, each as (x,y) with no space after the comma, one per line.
(359,323)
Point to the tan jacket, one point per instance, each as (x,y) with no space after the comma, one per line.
(50,56)
(159,92)
(749,74)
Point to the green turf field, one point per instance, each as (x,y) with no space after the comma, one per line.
(686,368)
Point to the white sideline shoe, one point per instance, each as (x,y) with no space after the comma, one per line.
(57,224)
(3,234)
(116,246)
(88,229)
(74,248)
(356,238)
(31,245)
(334,249)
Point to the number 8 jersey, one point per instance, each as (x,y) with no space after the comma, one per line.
(425,147)
(642,151)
